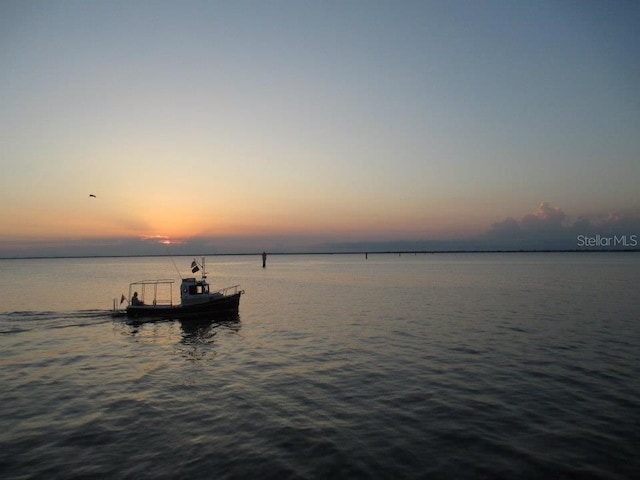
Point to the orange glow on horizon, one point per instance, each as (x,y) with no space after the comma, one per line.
(177,220)
(163,239)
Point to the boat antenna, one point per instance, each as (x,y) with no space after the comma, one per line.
(204,272)
(173,261)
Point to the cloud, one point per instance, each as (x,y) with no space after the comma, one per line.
(545,217)
(549,228)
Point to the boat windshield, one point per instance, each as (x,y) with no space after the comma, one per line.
(198,289)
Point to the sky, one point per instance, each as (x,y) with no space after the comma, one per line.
(241,126)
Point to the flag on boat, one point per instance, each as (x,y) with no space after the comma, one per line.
(122,298)
(194,267)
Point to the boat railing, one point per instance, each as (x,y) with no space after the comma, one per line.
(232,290)
(159,294)
(151,282)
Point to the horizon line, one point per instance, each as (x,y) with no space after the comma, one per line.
(363,252)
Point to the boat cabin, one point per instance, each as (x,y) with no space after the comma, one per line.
(193,292)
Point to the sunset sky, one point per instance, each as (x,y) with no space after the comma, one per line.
(251,125)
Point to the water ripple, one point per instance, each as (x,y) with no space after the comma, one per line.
(469,373)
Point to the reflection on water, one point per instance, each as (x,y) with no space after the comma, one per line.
(202,330)
(191,337)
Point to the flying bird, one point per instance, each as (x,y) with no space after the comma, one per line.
(92,195)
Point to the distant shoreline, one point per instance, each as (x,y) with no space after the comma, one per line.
(366,253)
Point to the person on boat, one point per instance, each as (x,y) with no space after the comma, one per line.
(135,300)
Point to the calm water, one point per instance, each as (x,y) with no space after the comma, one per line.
(413,366)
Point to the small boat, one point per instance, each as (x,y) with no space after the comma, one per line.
(154,298)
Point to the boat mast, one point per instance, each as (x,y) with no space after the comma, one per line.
(204,272)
